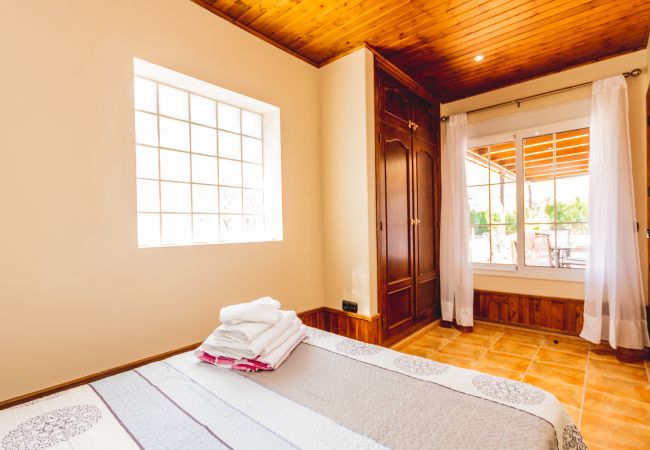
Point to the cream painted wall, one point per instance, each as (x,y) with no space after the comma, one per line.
(636,93)
(348,170)
(76,294)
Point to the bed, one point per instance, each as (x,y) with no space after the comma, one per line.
(332,393)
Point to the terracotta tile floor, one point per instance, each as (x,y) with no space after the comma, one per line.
(609,400)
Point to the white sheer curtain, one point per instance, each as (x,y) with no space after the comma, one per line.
(614,302)
(456,283)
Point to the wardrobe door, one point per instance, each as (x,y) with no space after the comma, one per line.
(396,231)
(426,163)
(394,102)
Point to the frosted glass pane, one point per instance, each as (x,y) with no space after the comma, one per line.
(229,172)
(253,176)
(251,150)
(146,162)
(173,102)
(253,201)
(148,200)
(204,140)
(204,169)
(175,197)
(144,94)
(174,166)
(148,229)
(229,117)
(229,145)
(230,200)
(251,124)
(230,228)
(205,199)
(174,134)
(176,228)
(206,228)
(146,129)
(253,227)
(203,110)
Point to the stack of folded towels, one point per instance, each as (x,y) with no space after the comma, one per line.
(253,336)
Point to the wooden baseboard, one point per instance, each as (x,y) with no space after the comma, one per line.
(461,328)
(560,315)
(94,377)
(356,326)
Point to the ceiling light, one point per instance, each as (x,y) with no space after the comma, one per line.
(479,58)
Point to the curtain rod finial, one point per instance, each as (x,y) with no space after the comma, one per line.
(634,73)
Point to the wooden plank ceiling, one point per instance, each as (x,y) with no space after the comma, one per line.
(435,41)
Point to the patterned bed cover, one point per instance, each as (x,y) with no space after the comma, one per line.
(332,393)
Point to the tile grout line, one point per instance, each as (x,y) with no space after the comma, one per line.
(539,347)
(584,389)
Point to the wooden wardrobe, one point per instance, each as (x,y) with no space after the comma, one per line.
(408,207)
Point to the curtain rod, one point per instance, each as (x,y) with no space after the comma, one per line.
(632,73)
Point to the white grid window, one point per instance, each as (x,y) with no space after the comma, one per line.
(200,168)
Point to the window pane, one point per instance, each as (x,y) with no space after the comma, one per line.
(148,229)
(172,102)
(204,140)
(229,172)
(477,173)
(478,198)
(504,244)
(251,124)
(573,241)
(504,204)
(229,118)
(230,200)
(203,110)
(174,166)
(572,153)
(204,169)
(146,129)
(175,197)
(176,228)
(174,134)
(538,200)
(230,228)
(148,198)
(479,244)
(253,176)
(253,201)
(229,145)
(571,199)
(146,162)
(205,199)
(252,150)
(144,94)
(253,227)
(540,245)
(206,227)
(538,158)
(503,165)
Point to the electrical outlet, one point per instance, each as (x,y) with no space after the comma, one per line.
(350,306)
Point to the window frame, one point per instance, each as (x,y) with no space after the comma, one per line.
(520,270)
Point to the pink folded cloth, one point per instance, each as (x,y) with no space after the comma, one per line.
(271,360)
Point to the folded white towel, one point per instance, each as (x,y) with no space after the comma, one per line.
(263,309)
(277,356)
(265,342)
(280,339)
(242,332)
